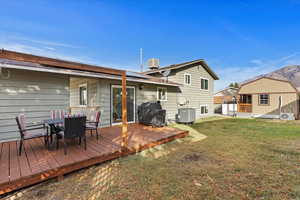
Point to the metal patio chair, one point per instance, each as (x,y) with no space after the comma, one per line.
(30,131)
(93,123)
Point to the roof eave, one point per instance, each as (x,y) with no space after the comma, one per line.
(84,74)
(201,61)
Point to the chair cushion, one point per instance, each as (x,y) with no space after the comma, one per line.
(61,133)
(37,133)
(90,126)
(94,116)
(22,121)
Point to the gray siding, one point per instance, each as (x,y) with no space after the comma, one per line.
(99,93)
(36,93)
(105,99)
(92,94)
(149,93)
(31,93)
(193,93)
(103,96)
(99,96)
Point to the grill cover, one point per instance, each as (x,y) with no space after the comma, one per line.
(151,113)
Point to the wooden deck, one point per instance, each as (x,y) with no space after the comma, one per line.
(38,164)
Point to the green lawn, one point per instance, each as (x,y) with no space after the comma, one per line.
(239,159)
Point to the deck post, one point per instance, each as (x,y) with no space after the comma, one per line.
(124,114)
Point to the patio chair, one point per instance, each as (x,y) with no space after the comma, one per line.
(93,123)
(53,114)
(57,114)
(30,131)
(74,128)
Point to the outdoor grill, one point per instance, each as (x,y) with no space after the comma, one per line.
(151,113)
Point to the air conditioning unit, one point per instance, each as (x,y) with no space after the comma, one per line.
(186,115)
(287,116)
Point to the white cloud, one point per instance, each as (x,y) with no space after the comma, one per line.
(20,47)
(50,48)
(42,42)
(51,52)
(256,67)
(256,61)
(42,51)
(53,49)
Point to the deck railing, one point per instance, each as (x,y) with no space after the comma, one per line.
(245,107)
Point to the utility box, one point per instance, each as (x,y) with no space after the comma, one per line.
(186,115)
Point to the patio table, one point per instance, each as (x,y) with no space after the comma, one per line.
(53,121)
(54,129)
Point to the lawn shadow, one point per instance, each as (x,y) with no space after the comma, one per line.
(91,183)
(277,150)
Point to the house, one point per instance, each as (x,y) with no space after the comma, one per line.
(196,89)
(34,85)
(271,95)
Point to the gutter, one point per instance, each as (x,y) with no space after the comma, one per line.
(81,73)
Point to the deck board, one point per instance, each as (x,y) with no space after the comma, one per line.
(4,163)
(32,159)
(14,162)
(43,154)
(38,149)
(38,163)
(24,165)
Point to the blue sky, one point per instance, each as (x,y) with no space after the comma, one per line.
(239,39)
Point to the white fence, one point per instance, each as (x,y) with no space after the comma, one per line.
(229,109)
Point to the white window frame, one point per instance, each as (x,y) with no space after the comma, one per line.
(263,104)
(205,105)
(201,83)
(158,88)
(184,76)
(86,86)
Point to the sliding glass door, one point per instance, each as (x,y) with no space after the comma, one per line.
(116,104)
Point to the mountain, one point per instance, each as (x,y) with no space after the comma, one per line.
(288,73)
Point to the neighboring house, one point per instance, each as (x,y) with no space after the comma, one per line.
(271,95)
(225,96)
(196,90)
(35,85)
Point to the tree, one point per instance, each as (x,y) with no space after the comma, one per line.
(234,85)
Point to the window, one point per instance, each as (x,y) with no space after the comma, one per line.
(162,94)
(246,99)
(204,84)
(83,95)
(203,109)
(264,99)
(187,79)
